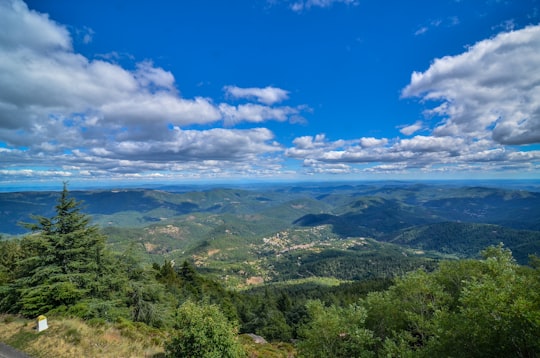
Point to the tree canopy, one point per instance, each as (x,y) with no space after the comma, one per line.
(473,308)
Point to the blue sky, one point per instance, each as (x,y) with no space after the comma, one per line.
(178,91)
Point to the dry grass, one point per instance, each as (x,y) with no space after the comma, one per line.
(68,338)
(267,350)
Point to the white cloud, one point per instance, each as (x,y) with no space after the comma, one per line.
(41,77)
(180,153)
(255,113)
(191,145)
(411,129)
(507,25)
(421,30)
(426,153)
(149,76)
(34,173)
(96,118)
(86,34)
(367,142)
(419,144)
(309,142)
(159,108)
(62,114)
(299,6)
(491,90)
(446,22)
(312,147)
(23,24)
(488,97)
(316,167)
(46,77)
(267,95)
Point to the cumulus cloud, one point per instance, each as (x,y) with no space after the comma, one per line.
(24,24)
(65,115)
(372,142)
(191,145)
(149,76)
(42,77)
(267,95)
(488,101)
(411,129)
(491,90)
(255,113)
(316,167)
(93,117)
(310,142)
(30,173)
(425,153)
(178,153)
(423,144)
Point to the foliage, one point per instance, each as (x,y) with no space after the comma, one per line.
(268,317)
(487,308)
(405,312)
(336,332)
(63,267)
(498,315)
(56,266)
(203,331)
(474,308)
(10,254)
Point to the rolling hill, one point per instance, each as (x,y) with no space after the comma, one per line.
(283,232)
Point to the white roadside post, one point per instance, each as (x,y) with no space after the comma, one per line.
(42,323)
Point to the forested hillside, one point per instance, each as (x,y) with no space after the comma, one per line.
(354,271)
(463,239)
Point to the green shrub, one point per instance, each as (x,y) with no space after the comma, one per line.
(203,332)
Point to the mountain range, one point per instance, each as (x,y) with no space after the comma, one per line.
(279,232)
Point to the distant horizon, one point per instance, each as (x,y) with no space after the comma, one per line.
(90,186)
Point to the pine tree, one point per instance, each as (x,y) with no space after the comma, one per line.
(65,261)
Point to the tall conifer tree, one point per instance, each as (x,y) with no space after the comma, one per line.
(67,263)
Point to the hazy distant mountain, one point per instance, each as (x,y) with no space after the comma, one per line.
(233,223)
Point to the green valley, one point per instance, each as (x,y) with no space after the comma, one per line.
(275,261)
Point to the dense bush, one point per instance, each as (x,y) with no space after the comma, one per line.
(202,331)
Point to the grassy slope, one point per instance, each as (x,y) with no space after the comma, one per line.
(75,338)
(68,338)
